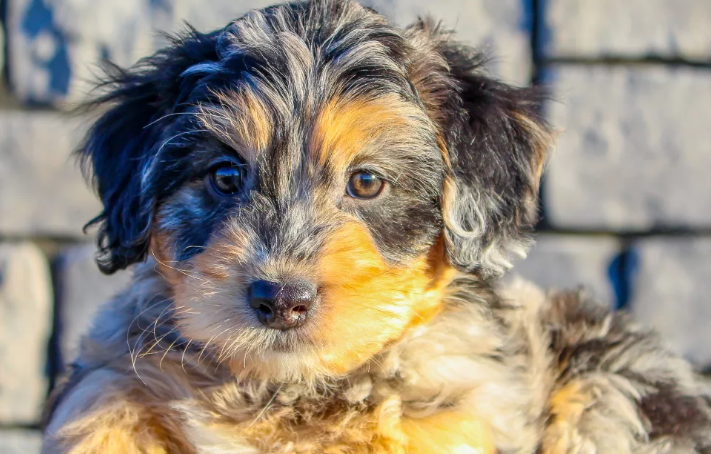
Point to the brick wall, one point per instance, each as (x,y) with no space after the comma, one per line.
(626,201)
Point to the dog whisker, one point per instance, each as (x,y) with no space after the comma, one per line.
(156,342)
(173,114)
(182,357)
(269,404)
(132,350)
(192,131)
(184,272)
(160,363)
(319,204)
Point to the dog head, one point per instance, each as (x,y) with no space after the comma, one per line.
(309,179)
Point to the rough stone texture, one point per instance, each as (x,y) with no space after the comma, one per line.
(628,28)
(635,149)
(41,188)
(571,261)
(25,325)
(672,293)
(20,441)
(203,15)
(81,289)
(56,44)
(499,27)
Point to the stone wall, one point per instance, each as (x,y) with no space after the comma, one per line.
(626,201)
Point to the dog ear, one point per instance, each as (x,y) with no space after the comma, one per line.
(120,146)
(495,142)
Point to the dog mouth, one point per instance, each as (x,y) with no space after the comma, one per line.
(289,340)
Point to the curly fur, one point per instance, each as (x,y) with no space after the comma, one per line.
(552,373)
(412,345)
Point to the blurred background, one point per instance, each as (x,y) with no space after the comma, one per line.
(626,200)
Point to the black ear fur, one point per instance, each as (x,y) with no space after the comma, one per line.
(121,143)
(496,142)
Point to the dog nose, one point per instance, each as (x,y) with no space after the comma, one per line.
(282,305)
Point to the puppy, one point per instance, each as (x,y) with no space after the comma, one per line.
(319,205)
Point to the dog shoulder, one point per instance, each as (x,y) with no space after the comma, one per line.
(612,385)
(116,396)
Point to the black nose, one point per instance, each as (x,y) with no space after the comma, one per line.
(282,306)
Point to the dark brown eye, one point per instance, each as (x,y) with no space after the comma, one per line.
(364,185)
(227,178)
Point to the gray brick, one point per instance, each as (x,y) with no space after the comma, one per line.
(56,44)
(203,15)
(25,325)
(671,293)
(41,188)
(495,26)
(628,28)
(20,441)
(635,148)
(82,288)
(571,261)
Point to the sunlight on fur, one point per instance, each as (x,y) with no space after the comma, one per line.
(317,207)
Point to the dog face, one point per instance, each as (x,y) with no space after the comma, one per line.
(309,178)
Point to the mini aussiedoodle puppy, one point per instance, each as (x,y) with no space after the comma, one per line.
(322,203)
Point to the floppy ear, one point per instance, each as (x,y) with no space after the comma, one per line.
(120,146)
(495,140)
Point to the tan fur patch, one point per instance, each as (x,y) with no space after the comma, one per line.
(542,139)
(159,250)
(118,428)
(566,407)
(344,128)
(121,427)
(241,121)
(448,433)
(367,303)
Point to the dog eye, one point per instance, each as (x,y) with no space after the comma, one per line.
(364,185)
(227,178)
